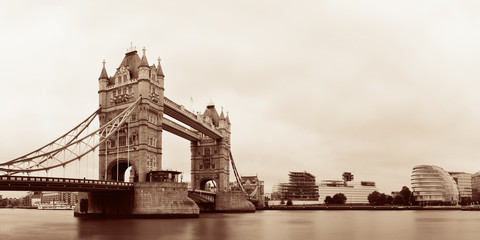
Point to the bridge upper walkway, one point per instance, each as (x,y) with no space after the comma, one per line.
(181,114)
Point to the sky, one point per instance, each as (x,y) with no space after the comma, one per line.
(369,87)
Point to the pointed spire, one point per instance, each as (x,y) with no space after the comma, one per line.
(103,74)
(159,69)
(144,62)
(228,119)
(221,114)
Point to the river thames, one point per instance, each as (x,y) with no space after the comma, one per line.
(58,224)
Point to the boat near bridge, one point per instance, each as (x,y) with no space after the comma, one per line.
(55,206)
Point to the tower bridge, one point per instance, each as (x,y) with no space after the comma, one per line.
(132,110)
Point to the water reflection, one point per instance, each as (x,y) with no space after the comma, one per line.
(36,224)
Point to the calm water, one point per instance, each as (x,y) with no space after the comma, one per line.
(299,225)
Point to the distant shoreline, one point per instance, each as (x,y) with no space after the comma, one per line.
(359,207)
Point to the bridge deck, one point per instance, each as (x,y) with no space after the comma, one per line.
(200,196)
(22,183)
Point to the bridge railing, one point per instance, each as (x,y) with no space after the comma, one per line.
(205,194)
(63,180)
(179,107)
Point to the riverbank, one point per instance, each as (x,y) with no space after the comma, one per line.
(359,207)
(21,207)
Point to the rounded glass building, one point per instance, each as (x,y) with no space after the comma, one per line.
(433,186)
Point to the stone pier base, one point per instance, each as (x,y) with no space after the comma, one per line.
(235,201)
(147,200)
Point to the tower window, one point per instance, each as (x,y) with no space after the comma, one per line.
(122,141)
(206,163)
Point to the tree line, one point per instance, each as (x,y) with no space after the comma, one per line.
(403,198)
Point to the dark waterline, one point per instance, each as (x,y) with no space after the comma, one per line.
(36,224)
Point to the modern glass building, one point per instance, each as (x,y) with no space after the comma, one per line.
(476,188)
(464,182)
(433,186)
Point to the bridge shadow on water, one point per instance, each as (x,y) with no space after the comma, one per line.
(210,226)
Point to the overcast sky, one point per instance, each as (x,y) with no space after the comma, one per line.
(373,88)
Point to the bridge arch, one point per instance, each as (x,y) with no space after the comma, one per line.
(209,184)
(123,165)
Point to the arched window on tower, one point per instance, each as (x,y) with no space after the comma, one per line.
(206,163)
(207,151)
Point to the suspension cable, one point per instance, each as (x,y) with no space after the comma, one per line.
(128,147)
(43,160)
(106,157)
(118,144)
(237,176)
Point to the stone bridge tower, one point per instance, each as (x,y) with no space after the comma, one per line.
(210,158)
(139,143)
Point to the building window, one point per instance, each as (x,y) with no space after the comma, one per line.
(151,163)
(207,151)
(206,163)
(122,141)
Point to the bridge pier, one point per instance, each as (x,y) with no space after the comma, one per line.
(147,200)
(103,204)
(163,200)
(234,201)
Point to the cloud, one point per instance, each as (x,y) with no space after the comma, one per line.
(372,88)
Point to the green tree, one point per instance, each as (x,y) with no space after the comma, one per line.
(389,200)
(465,201)
(398,199)
(376,198)
(339,198)
(406,193)
(373,197)
(382,200)
(328,200)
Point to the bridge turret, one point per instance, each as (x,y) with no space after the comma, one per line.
(160,75)
(144,76)
(102,86)
(160,70)
(143,68)
(222,123)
